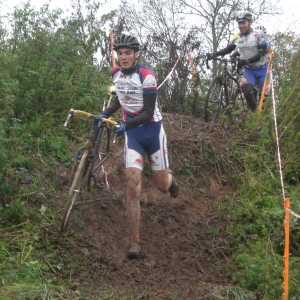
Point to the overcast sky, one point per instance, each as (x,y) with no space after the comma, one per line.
(289,20)
(64,4)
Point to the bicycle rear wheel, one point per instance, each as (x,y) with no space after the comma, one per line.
(102,153)
(215,100)
(79,182)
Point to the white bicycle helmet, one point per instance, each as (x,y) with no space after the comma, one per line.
(242,15)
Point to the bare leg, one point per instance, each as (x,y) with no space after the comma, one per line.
(133,178)
(166,182)
(163,180)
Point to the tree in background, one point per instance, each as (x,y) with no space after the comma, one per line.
(53,59)
(48,65)
(165,36)
(181,27)
(216,19)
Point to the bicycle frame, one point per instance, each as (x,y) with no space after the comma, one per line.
(85,166)
(225,73)
(89,158)
(94,135)
(93,146)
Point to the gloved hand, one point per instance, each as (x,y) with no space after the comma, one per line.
(242,62)
(102,115)
(120,129)
(210,56)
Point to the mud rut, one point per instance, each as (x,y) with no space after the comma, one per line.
(180,256)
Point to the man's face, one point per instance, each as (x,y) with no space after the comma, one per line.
(127,57)
(244,26)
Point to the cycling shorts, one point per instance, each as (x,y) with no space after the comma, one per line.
(255,76)
(149,139)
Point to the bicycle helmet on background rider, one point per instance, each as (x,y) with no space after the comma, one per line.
(243,15)
(126,41)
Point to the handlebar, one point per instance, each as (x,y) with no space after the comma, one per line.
(111,90)
(223,59)
(226,60)
(73,112)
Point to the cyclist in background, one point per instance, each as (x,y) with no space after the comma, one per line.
(253,48)
(136,88)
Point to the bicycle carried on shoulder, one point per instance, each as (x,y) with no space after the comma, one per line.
(225,97)
(88,161)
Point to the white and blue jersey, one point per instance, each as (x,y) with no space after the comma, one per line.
(250,44)
(148,139)
(131,88)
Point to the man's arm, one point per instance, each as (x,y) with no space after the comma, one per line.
(261,46)
(226,50)
(262,50)
(222,52)
(113,107)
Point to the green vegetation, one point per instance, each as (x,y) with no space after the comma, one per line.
(47,66)
(257,213)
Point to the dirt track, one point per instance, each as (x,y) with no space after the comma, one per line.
(180,254)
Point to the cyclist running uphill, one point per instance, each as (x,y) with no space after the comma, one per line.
(136,88)
(253,48)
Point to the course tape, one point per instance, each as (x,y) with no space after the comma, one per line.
(105,176)
(293,213)
(104,172)
(278,145)
(170,72)
(276,133)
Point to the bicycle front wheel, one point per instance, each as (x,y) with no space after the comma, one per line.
(102,153)
(77,185)
(240,103)
(215,100)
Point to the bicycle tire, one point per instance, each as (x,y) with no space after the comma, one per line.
(239,100)
(102,153)
(215,100)
(76,187)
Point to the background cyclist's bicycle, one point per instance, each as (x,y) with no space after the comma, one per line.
(224,97)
